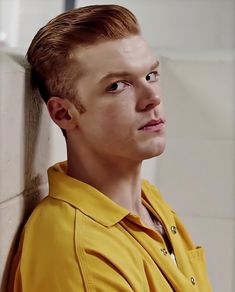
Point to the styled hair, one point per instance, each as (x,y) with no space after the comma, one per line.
(53,65)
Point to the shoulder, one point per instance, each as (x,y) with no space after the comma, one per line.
(46,259)
(50,228)
(51,214)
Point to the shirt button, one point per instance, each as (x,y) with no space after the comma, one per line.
(164,251)
(173,229)
(193,281)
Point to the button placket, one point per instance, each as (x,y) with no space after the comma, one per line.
(173,229)
(164,251)
(193,281)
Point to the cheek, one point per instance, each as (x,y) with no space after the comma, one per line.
(110,115)
(112,125)
(120,110)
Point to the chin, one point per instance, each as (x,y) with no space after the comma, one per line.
(157,151)
(152,155)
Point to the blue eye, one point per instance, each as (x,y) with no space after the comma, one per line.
(117,86)
(153,76)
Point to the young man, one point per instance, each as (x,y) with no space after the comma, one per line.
(103,228)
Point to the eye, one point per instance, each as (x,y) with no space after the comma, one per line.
(117,86)
(152,77)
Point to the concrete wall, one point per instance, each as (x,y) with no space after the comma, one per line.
(28,141)
(195,41)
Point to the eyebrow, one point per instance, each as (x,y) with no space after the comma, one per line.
(155,65)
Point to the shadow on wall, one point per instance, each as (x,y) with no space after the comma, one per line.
(33,180)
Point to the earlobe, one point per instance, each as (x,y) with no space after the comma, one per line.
(60,112)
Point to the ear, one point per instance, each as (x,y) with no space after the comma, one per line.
(62,112)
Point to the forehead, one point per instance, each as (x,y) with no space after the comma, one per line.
(131,54)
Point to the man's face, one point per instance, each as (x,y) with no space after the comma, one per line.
(120,91)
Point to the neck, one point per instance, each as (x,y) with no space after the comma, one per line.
(119,179)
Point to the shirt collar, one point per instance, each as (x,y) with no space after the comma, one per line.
(84,197)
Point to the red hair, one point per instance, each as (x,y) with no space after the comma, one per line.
(54,69)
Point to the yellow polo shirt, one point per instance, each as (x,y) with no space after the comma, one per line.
(77,239)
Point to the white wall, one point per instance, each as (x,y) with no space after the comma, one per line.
(21,19)
(183,24)
(195,40)
(196,173)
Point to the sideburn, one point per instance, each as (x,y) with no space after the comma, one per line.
(81,109)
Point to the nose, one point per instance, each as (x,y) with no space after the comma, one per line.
(149,97)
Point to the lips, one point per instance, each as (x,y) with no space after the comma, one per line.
(153,125)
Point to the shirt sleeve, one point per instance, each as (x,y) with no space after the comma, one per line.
(40,270)
(46,260)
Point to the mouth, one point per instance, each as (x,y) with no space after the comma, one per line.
(153,125)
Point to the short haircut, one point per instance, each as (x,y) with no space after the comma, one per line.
(53,66)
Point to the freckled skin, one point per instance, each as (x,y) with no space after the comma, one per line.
(110,121)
